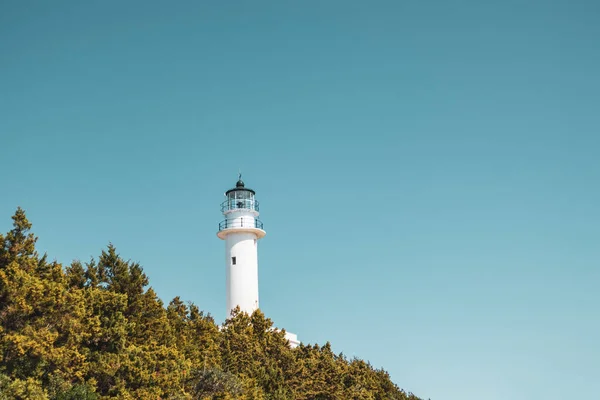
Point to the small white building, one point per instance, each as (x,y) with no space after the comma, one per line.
(241,231)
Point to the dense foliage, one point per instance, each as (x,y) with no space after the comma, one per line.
(95,331)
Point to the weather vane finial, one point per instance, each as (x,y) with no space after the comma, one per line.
(239,174)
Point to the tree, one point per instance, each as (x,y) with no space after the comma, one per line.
(78,392)
(214,383)
(97,331)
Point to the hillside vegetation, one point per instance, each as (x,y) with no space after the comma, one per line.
(96,330)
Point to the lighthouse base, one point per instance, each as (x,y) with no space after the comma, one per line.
(293,339)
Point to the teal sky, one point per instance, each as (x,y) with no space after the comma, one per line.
(428,171)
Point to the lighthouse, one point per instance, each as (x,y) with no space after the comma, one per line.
(241,229)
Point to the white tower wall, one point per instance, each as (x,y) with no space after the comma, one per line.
(241,259)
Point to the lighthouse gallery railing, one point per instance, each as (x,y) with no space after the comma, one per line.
(241,223)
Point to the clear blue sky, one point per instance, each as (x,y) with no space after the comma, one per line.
(428,171)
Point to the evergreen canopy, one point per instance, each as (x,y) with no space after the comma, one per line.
(95,330)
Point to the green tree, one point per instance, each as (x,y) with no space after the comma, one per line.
(97,331)
(78,392)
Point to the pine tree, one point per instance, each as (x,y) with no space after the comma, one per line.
(97,331)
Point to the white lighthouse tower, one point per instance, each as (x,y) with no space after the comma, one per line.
(241,230)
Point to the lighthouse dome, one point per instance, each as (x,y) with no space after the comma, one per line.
(240,187)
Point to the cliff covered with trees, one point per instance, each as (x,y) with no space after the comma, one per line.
(97,331)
